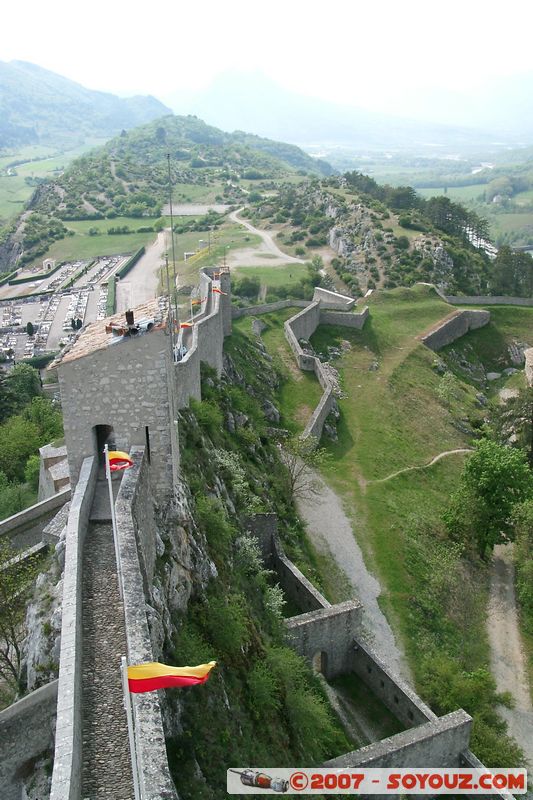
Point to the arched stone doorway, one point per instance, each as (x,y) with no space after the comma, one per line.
(102,435)
(320,662)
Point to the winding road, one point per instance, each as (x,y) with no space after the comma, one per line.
(265,254)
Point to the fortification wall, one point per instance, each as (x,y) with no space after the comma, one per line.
(211,336)
(25,529)
(436,744)
(26,733)
(187,375)
(265,308)
(133,539)
(453,327)
(356,321)
(125,386)
(329,632)
(391,690)
(528,354)
(302,326)
(333,299)
(142,511)
(66,778)
(300,591)
(487,300)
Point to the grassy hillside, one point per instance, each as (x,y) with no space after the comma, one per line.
(402,408)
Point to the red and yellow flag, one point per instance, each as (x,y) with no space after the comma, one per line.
(219,291)
(119,460)
(151,676)
(186,325)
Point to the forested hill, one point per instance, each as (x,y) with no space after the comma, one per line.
(129,174)
(39,106)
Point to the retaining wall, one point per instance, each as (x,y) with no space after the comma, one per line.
(66,778)
(346,320)
(133,536)
(453,327)
(25,528)
(26,733)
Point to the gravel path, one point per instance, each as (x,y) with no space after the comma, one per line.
(265,254)
(422,466)
(141,283)
(106,768)
(330,531)
(508,661)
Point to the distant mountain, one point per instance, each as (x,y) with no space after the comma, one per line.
(39,106)
(253,102)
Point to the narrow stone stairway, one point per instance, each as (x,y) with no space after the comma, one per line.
(106,768)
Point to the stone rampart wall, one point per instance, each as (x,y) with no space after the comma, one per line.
(142,510)
(391,690)
(453,327)
(342,318)
(187,375)
(329,632)
(25,528)
(528,354)
(487,300)
(154,774)
(66,778)
(265,308)
(26,732)
(440,743)
(330,299)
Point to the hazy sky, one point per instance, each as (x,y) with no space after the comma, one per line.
(350,51)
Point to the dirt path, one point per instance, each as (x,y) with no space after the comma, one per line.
(265,254)
(508,661)
(330,531)
(422,466)
(141,283)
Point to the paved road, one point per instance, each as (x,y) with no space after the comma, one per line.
(106,768)
(141,283)
(331,532)
(265,254)
(508,661)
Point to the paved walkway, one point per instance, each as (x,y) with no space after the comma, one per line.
(106,769)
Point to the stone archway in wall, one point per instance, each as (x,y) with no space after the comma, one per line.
(319,662)
(102,435)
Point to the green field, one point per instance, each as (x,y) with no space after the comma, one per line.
(274,277)
(460,194)
(14,191)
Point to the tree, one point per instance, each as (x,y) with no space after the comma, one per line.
(24,383)
(16,579)
(494,480)
(20,439)
(8,400)
(301,458)
(512,422)
(30,329)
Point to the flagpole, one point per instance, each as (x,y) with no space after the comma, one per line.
(131,734)
(113,518)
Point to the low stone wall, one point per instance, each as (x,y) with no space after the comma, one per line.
(436,744)
(26,733)
(391,690)
(154,774)
(487,300)
(352,320)
(142,510)
(66,777)
(453,327)
(25,528)
(264,308)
